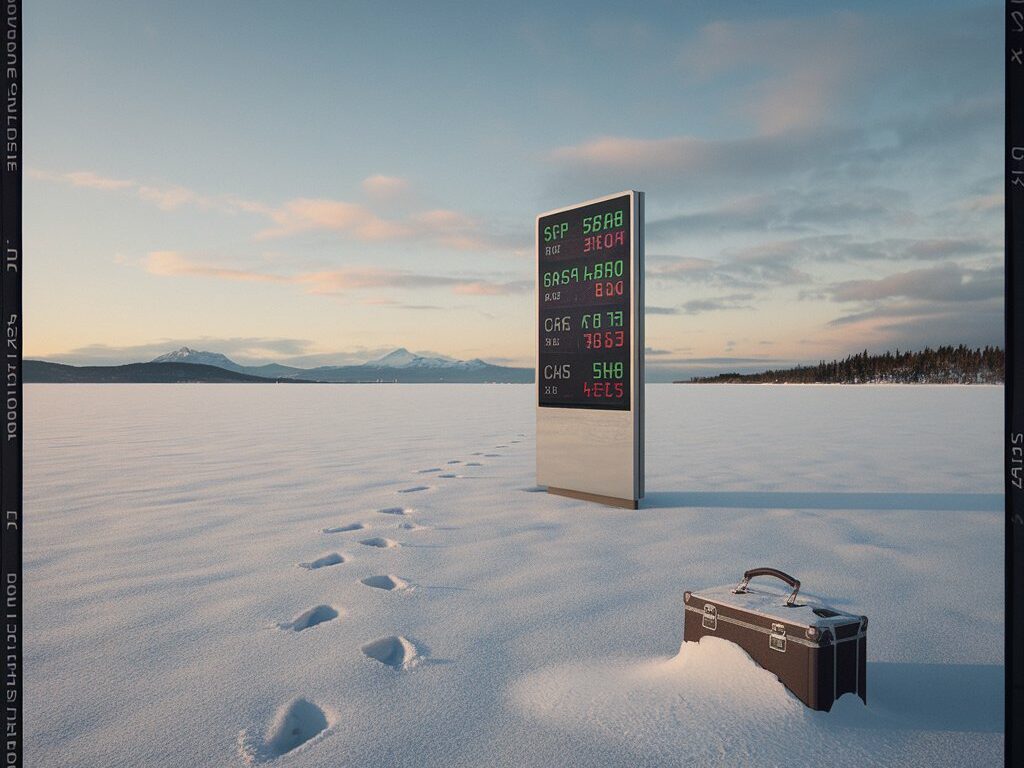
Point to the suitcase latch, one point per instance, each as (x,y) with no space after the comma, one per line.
(777,639)
(710,620)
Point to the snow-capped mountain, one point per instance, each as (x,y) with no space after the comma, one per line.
(403,358)
(189,355)
(400,365)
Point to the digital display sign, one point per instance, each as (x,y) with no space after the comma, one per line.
(584,262)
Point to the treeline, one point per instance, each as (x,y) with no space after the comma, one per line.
(943,365)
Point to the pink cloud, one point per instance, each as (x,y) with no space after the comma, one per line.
(380,187)
(172,263)
(331,282)
(623,153)
(809,65)
(441,227)
(167,198)
(306,214)
(484,288)
(92,180)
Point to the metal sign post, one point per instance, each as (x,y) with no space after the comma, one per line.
(590,350)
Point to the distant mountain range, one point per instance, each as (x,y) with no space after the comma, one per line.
(191,365)
(42,372)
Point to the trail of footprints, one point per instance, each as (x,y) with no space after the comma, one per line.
(300,722)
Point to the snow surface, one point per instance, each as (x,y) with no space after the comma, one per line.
(174,617)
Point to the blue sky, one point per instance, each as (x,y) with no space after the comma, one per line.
(321,182)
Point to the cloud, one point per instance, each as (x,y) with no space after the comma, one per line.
(684,158)
(164,197)
(653,310)
(753,267)
(803,71)
(92,180)
(813,88)
(172,263)
(807,65)
(862,154)
(944,283)
(307,214)
(169,198)
(945,304)
(735,301)
(380,187)
(381,302)
(337,281)
(438,227)
(340,281)
(495,289)
(983,203)
(786,209)
(911,324)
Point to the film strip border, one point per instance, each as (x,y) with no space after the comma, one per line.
(1013,392)
(11,440)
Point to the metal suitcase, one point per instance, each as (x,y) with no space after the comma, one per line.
(817,652)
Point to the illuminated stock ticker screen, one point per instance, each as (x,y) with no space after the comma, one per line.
(584,305)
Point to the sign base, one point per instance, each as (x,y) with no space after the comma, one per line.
(609,501)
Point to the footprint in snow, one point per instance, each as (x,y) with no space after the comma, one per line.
(491,455)
(386,582)
(427,471)
(324,561)
(295,724)
(344,528)
(409,525)
(310,618)
(394,651)
(415,489)
(474,464)
(455,461)
(394,511)
(380,542)
(447,475)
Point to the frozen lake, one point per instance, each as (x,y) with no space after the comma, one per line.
(329,575)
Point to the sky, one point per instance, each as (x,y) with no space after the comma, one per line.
(321,182)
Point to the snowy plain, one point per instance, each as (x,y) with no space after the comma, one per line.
(346,575)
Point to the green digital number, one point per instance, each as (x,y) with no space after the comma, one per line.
(602,221)
(607,370)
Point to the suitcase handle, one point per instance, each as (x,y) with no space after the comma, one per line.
(748,575)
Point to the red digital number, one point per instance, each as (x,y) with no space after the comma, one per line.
(606,340)
(608,288)
(604,389)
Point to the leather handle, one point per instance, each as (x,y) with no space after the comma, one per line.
(748,575)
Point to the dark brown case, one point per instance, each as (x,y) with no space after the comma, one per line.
(817,652)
